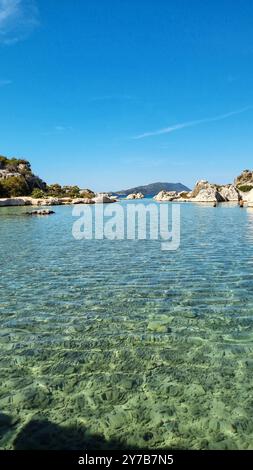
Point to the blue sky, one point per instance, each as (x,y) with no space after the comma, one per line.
(110,94)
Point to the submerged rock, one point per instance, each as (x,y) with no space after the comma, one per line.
(41,212)
(158,326)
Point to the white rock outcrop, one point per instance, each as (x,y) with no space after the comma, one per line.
(166,196)
(104,199)
(18,201)
(51,201)
(135,196)
(230,193)
(208,195)
(83,200)
(201,184)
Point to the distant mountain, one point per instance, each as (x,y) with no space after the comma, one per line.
(153,189)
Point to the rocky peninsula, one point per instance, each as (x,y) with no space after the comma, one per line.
(241,190)
(20,187)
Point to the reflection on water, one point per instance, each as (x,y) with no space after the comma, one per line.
(138,346)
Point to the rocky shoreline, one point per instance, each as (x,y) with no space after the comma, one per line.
(54,201)
(240,192)
(205,192)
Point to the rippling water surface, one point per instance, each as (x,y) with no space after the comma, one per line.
(117,343)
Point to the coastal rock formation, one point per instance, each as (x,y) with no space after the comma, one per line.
(51,201)
(29,201)
(5,202)
(184,195)
(199,186)
(66,200)
(244,179)
(87,193)
(84,200)
(135,196)
(209,194)
(104,199)
(166,196)
(230,193)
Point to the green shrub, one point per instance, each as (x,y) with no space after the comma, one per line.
(3,192)
(71,191)
(14,186)
(3,161)
(87,194)
(245,188)
(38,194)
(184,195)
(55,190)
(12,164)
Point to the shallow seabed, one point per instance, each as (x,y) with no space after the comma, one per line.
(119,344)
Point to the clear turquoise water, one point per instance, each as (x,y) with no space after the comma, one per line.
(116,343)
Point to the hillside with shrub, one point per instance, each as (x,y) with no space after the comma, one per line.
(17,179)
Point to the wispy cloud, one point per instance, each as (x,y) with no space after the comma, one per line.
(5,83)
(115,97)
(231,78)
(176,127)
(18,18)
(58,130)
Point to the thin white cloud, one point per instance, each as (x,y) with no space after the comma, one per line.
(18,18)
(176,127)
(5,82)
(111,98)
(61,128)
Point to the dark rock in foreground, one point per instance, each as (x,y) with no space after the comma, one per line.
(41,212)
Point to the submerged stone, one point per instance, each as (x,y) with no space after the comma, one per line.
(158,326)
